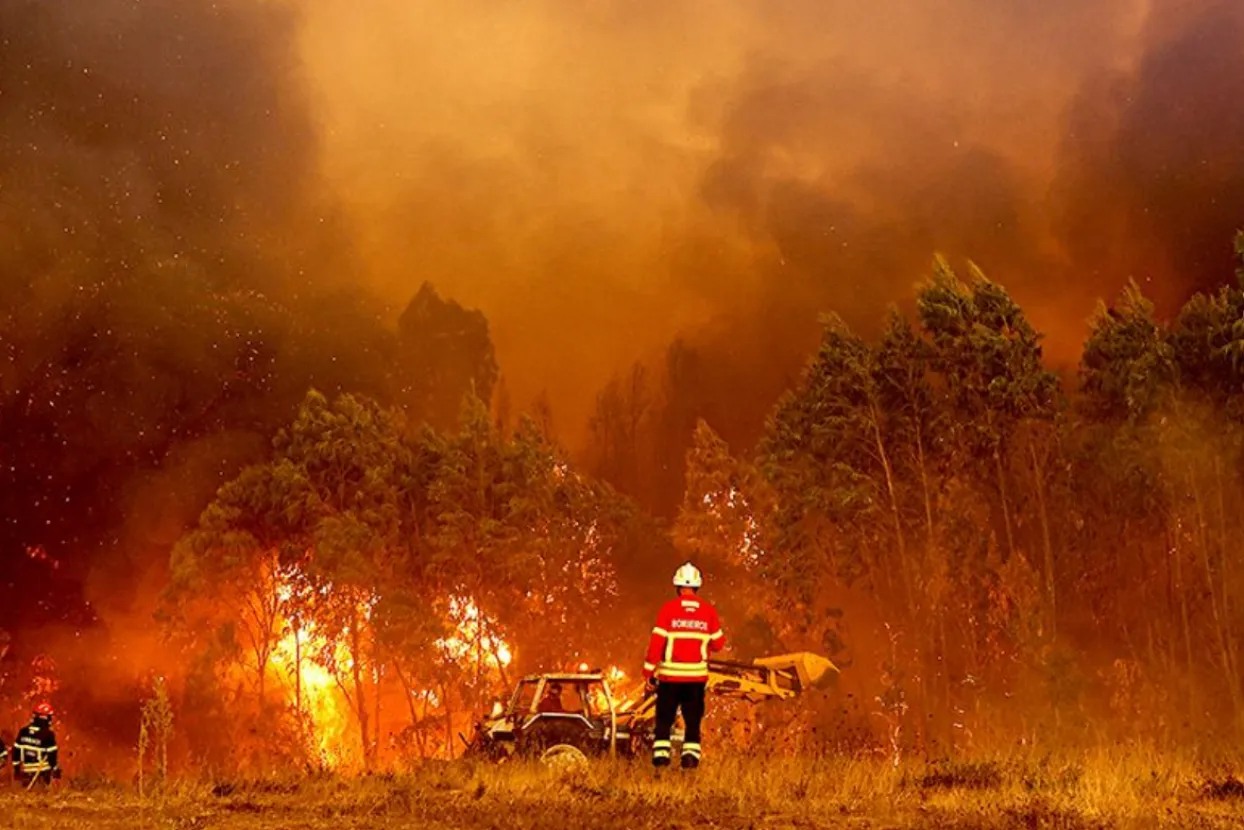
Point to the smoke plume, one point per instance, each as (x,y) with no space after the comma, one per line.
(600,177)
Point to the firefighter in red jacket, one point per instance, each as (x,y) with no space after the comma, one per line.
(687,631)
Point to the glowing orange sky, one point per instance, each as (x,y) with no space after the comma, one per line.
(545,160)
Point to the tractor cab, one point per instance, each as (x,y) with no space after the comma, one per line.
(556,695)
(548,711)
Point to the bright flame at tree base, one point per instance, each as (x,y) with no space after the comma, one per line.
(315,677)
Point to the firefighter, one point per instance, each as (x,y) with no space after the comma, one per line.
(686,632)
(34,751)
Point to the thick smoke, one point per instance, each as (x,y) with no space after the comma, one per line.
(1152,187)
(599,177)
(172,272)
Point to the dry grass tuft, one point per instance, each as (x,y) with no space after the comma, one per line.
(971,775)
(1226,789)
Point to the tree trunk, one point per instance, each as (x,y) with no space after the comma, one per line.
(1006,502)
(1233,684)
(298,668)
(930,552)
(1039,476)
(360,700)
(449,722)
(496,655)
(479,658)
(1224,569)
(377,746)
(930,535)
(1177,558)
(258,623)
(406,690)
(422,736)
(948,687)
(891,491)
(416,730)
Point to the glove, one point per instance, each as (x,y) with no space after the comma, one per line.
(651,684)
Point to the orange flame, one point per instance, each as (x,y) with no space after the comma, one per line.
(475,636)
(312,687)
(314,691)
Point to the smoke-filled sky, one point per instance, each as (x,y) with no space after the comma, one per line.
(601,176)
(205,206)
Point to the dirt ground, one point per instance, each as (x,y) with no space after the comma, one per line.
(740,793)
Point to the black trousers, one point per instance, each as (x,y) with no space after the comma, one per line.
(672,697)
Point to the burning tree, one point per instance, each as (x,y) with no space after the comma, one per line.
(297,545)
(225,586)
(371,560)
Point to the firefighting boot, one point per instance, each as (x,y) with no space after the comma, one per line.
(690,756)
(660,754)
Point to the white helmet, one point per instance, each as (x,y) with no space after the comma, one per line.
(688,576)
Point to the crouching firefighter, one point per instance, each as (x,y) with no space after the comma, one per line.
(34,751)
(686,632)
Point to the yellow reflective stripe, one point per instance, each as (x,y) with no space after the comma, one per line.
(649,667)
(659,630)
(690,635)
(660,744)
(690,747)
(716,635)
(683,669)
(33,759)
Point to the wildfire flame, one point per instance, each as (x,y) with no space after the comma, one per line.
(313,689)
(749,550)
(475,636)
(314,693)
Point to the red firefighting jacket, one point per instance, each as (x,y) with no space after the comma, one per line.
(687,631)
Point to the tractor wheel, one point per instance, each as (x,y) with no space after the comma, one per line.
(563,757)
(544,735)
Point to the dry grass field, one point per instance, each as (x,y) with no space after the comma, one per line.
(1107,790)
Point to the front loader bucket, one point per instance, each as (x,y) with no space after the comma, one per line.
(766,678)
(812,670)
